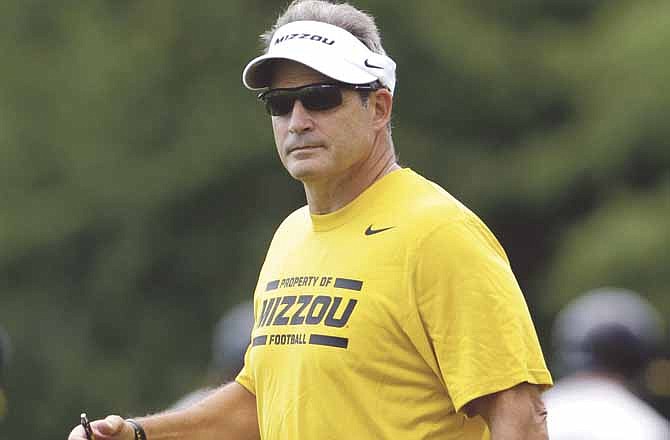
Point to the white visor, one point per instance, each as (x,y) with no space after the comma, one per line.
(325,48)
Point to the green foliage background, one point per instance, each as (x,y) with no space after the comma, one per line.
(139,186)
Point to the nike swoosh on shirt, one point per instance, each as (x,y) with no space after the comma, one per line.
(370,231)
(372,65)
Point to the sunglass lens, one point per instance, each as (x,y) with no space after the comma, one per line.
(279,104)
(321,97)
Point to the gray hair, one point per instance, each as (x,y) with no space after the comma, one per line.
(343,15)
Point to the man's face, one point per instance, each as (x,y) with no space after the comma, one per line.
(326,144)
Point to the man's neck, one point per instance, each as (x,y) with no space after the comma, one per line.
(328,195)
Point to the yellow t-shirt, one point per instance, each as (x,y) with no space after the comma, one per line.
(383,319)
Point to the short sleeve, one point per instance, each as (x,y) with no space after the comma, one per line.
(474,313)
(245,376)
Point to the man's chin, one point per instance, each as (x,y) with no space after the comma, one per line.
(305,171)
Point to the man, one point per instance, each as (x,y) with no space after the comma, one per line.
(384,309)
(604,339)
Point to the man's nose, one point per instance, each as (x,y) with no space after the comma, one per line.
(301,120)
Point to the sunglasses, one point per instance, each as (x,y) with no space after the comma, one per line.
(314,97)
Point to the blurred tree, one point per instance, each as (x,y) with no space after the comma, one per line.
(139,185)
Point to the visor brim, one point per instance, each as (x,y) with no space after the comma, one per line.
(257,74)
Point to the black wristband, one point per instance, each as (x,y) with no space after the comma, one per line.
(139,431)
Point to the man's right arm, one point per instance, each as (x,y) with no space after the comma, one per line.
(229,413)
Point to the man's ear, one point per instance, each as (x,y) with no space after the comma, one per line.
(382,106)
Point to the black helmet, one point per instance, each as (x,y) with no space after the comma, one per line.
(608,329)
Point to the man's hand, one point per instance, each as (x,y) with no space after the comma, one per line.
(110,428)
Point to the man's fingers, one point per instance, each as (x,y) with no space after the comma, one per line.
(109,426)
(77,433)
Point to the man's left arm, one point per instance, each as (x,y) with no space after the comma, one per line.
(516,413)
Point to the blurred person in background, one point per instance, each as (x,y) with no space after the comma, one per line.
(4,363)
(385,309)
(229,343)
(604,340)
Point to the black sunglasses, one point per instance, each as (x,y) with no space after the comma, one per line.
(315,97)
